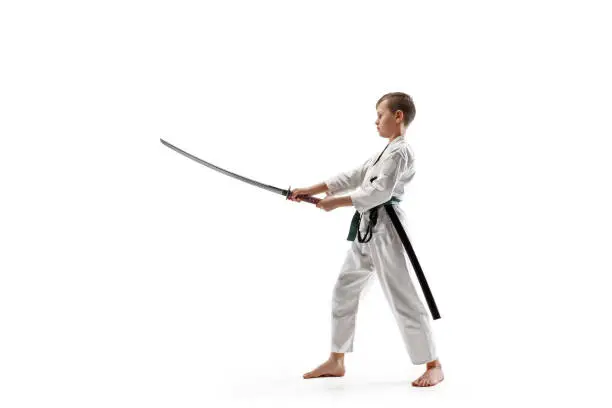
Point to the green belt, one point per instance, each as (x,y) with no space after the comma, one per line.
(373,219)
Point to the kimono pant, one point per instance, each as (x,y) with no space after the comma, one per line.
(384,255)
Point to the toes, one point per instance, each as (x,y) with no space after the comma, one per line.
(427,381)
(312,374)
(422,381)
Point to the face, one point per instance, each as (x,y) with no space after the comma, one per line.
(387,123)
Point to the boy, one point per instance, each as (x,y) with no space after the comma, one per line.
(380,180)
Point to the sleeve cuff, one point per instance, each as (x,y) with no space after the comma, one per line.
(332,187)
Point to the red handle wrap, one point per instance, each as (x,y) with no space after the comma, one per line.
(309,199)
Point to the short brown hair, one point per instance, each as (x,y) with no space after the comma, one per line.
(400,101)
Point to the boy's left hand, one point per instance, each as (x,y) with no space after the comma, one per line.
(328,203)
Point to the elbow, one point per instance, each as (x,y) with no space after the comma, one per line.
(381,195)
(382,198)
(363,202)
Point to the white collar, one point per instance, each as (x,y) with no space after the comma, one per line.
(400,138)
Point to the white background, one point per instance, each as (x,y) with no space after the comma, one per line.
(134,277)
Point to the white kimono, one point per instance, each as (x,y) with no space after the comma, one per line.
(384,254)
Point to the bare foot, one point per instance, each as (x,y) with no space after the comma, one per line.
(330,368)
(431,377)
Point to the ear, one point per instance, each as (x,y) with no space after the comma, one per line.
(399,116)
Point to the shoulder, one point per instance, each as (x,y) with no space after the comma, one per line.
(402,151)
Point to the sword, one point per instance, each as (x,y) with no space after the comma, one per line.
(286,193)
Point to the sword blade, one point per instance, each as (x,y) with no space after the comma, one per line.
(226,172)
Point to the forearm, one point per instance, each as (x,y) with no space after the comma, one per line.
(344,201)
(318,188)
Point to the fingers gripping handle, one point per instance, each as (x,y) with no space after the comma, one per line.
(307,198)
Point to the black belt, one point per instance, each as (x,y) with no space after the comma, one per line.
(354,231)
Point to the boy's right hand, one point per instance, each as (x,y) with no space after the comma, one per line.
(299,192)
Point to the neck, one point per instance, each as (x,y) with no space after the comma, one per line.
(392,138)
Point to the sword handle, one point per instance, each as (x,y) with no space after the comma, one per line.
(309,199)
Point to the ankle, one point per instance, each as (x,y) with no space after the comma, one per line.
(434,364)
(337,357)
